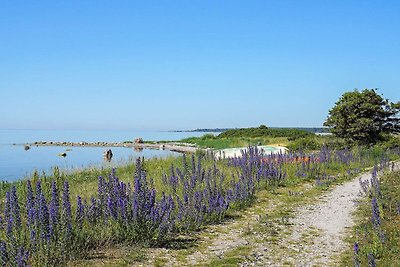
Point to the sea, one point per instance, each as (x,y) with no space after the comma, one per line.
(16,163)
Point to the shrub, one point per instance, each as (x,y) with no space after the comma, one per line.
(305,143)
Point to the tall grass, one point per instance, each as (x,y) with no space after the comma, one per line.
(376,235)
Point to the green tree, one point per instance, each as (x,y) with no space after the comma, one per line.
(363,117)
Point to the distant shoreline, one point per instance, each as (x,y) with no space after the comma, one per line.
(316,130)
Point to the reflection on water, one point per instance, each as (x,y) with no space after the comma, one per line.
(17,163)
(138,149)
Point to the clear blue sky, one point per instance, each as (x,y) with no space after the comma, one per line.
(161,65)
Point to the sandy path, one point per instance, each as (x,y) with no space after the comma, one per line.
(324,225)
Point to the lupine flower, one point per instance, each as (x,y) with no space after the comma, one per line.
(10,223)
(93,212)
(66,211)
(33,240)
(44,223)
(30,205)
(7,208)
(38,193)
(111,208)
(375,182)
(356,248)
(80,212)
(54,205)
(101,191)
(22,257)
(3,253)
(29,196)
(122,207)
(15,208)
(356,259)
(38,188)
(376,219)
(364,186)
(371,260)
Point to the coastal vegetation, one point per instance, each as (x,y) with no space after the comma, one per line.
(216,142)
(243,137)
(376,236)
(55,219)
(263,131)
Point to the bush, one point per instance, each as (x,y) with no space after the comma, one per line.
(208,136)
(305,143)
(391,142)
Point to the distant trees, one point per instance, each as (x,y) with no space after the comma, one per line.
(363,117)
(264,131)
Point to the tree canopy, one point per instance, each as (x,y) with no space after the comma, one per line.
(363,117)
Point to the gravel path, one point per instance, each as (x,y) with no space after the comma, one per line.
(317,231)
(328,221)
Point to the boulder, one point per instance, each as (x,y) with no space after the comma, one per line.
(138,140)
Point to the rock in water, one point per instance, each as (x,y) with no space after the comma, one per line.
(108,154)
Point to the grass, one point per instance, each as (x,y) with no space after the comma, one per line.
(120,256)
(386,253)
(231,258)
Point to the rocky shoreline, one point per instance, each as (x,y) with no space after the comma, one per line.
(171,146)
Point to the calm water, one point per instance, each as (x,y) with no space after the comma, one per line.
(16,163)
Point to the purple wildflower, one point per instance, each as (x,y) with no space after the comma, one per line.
(80,212)
(111,208)
(376,219)
(3,253)
(66,205)
(101,195)
(356,259)
(15,208)
(371,260)
(7,208)
(22,257)
(54,204)
(29,196)
(93,212)
(356,248)
(44,224)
